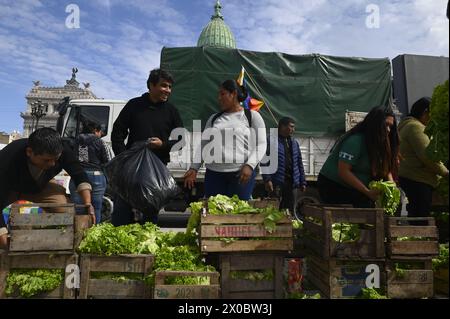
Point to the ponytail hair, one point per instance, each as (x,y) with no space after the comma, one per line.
(232,86)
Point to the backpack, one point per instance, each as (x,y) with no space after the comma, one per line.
(248,115)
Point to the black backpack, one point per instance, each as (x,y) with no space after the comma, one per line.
(248,115)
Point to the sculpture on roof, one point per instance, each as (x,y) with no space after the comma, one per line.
(73,81)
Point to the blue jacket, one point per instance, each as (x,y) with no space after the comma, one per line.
(297,164)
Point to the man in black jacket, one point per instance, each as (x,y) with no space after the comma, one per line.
(148,118)
(27,169)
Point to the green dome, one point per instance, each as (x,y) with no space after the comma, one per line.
(217,33)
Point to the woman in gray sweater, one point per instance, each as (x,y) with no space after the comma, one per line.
(233,144)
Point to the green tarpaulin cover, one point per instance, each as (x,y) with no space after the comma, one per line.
(315,90)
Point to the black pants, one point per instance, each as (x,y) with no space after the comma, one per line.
(420,196)
(334,193)
(287,196)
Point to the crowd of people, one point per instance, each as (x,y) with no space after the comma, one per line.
(375,149)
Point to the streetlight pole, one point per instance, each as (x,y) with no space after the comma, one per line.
(37,112)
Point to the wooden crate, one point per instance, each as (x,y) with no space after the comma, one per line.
(265,202)
(440,282)
(341,278)
(410,284)
(42,232)
(38,260)
(91,288)
(318,232)
(249,289)
(250,231)
(397,227)
(165,291)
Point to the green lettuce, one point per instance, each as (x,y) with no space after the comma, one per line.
(390,196)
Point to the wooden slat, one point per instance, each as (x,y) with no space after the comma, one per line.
(413,231)
(85,265)
(395,220)
(3,276)
(316,246)
(413,248)
(121,263)
(278,277)
(356,250)
(354,217)
(314,212)
(40,260)
(42,205)
(208,246)
(160,276)
(187,292)
(410,277)
(41,220)
(251,261)
(244,230)
(239,219)
(81,224)
(409,291)
(132,289)
(225,277)
(251,285)
(379,235)
(327,238)
(316,279)
(264,203)
(42,239)
(315,229)
(441,274)
(318,263)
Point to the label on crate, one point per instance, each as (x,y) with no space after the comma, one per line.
(240,231)
(182,292)
(295,277)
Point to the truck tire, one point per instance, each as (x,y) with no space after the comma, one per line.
(107,209)
(311,196)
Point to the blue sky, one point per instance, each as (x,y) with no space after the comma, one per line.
(119,42)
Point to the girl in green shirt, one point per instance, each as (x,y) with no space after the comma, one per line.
(367,152)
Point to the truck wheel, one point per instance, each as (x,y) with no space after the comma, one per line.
(107,209)
(311,196)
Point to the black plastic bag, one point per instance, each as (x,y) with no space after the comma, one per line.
(140,178)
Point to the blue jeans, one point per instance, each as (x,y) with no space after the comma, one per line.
(98,183)
(123,214)
(228,184)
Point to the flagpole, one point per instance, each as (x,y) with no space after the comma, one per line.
(260,94)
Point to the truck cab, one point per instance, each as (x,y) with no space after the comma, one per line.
(75,112)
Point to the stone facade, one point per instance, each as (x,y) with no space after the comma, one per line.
(51,97)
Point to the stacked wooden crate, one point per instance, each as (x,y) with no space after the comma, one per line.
(240,244)
(411,245)
(340,269)
(42,241)
(107,288)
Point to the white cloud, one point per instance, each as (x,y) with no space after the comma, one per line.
(115,56)
(338,27)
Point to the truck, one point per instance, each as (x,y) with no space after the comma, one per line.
(325,95)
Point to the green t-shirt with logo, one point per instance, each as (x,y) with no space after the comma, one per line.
(352,150)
